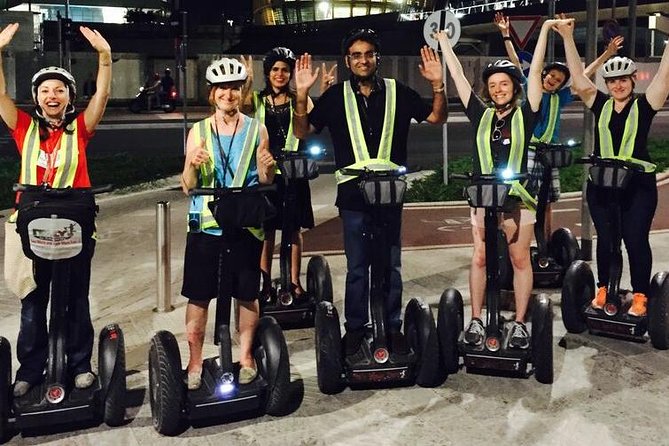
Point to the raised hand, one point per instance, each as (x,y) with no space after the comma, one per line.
(502,23)
(431,68)
(305,76)
(563,26)
(95,39)
(328,77)
(614,46)
(7,34)
(248,64)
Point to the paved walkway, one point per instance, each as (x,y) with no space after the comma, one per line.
(606,392)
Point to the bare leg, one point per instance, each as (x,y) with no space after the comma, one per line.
(296,261)
(519,251)
(266,259)
(196,322)
(477,272)
(248,321)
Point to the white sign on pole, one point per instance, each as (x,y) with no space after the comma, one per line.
(441,20)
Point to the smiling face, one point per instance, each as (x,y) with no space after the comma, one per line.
(553,80)
(361,59)
(226,96)
(53,96)
(500,88)
(279,75)
(620,88)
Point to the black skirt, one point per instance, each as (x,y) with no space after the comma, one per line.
(304,214)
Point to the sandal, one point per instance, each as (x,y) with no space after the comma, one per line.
(194,380)
(248,374)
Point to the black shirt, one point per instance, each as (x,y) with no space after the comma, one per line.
(501,148)
(277,121)
(329,112)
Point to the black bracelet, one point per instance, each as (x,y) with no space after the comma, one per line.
(506,38)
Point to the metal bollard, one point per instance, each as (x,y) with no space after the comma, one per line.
(163,257)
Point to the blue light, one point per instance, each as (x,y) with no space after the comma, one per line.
(507,173)
(315,150)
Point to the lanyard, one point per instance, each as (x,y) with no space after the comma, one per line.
(225,157)
(50,169)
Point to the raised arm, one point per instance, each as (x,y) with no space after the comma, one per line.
(462,85)
(431,69)
(502,23)
(96,106)
(581,84)
(611,50)
(8,111)
(657,91)
(534,87)
(305,77)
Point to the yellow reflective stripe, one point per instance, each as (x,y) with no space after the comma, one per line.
(292,142)
(259,105)
(629,134)
(69,159)
(358,142)
(605,138)
(483,141)
(30,155)
(248,150)
(386,143)
(519,191)
(547,136)
(517,142)
(258,233)
(202,131)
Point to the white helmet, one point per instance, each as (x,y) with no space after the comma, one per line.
(225,70)
(618,66)
(54,73)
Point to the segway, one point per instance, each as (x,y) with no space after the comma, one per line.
(374,364)
(220,397)
(579,288)
(494,356)
(56,225)
(281,302)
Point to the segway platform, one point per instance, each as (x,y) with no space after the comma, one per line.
(494,354)
(615,322)
(370,366)
(298,313)
(547,273)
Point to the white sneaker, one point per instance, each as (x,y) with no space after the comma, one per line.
(21,388)
(84,380)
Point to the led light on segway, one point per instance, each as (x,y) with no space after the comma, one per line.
(543,263)
(55,394)
(227,384)
(401,170)
(492,344)
(610,309)
(381,355)
(315,150)
(507,173)
(285,298)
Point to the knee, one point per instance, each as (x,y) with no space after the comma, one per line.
(520,260)
(478,259)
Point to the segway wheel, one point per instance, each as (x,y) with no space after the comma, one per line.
(542,339)
(658,311)
(5,385)
(329,361)
(319,279)
(111,361)
(166,389)
(271,355)
(578,289)
(421,333)
(564,247)
(450,323)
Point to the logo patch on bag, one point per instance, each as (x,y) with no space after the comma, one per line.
(55,238)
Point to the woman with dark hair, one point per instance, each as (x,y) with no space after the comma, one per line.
(52,143)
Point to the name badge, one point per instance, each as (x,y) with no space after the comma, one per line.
(43,160)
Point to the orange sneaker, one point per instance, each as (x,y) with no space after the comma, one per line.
(600,298)
(639,303)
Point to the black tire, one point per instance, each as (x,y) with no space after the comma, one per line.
(113,409)
(166,388)
(421,333)
(5,386)
(564,247)
(450,323)
(658,311)
(169,107)
(542,339)
(271,355)
(329,361)
(319,279)
(135,106)
(504,262)
(578,289)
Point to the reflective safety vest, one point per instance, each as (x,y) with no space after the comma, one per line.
(515,154)
(553,109)
(200,203)
(291,144)
(67,156)
(629,136)
(357,135)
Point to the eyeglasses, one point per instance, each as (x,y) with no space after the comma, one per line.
(497,132)
(359,56)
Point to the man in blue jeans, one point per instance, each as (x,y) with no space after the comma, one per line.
(361,138)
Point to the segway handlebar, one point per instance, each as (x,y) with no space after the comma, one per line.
(544,146)
(367,173)
(614,162)
(499,176)
(232,190)
(19,187)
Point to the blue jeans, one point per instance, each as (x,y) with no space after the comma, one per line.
(357,246)
(33,341)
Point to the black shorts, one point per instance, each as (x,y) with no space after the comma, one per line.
(236,257)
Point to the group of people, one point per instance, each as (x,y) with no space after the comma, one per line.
(368,117)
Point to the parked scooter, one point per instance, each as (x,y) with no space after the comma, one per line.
(145,101)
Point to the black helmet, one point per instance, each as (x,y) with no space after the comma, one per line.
(274,55)
(366,34)
(557,66)
(502,66)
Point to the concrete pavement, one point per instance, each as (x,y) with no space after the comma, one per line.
(606,392)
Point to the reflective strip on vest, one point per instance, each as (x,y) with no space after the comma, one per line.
(362,159)
(547,136)
(67,157)
(291,143)
(629,136)
(515,154)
